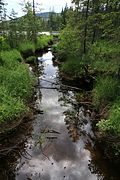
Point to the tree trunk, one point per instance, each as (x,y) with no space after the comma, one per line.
(85,30)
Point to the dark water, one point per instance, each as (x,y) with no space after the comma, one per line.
(58,144)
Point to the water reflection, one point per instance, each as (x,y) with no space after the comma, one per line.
(59,144)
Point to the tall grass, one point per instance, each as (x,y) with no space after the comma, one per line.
(16,85)
(72,68)
(4,44)
(107,89)
(43,42)
(112,123)
(105,56)
(27,49)
(10,58)
(18,81)
(10,107)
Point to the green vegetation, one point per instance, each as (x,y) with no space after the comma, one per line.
(43,42)
(16,86)
(112,124)
(31,60)
(10,58)
(18,40)
(104,56)
(89,45)
(10,107)
(4,44)
(106,90)
(72,68)
(27,49)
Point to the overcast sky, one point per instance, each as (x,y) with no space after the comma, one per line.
(45,5)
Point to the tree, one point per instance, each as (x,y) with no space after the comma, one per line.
(13,34)
(30,23)
(2,16)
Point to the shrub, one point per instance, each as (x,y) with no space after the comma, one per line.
(69,43)
(18,82)
(31,59)
(16,85)
(4,44)
(72,67)
(104,56)
(106,90)
(10,108)
(27,49)
(112,123)
(10,59)
(55,48)
(43,41)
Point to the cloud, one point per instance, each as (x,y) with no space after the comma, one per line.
(45,5)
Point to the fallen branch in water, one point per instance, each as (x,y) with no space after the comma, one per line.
(71,87)
(42,87)
(62,85)
(49,81)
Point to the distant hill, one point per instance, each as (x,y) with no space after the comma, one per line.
(45,15)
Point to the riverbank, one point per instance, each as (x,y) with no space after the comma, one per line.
(57,140)
(98,79)
(18,80)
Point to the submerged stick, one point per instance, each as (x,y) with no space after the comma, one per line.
(64,85)
(49,81)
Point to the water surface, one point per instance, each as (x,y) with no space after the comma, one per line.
(58,144)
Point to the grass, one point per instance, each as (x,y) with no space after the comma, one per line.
(4,44)
(105,56)
(31,59)
(18,81)
(106,89)
(72,68)
(27,49)
(16,86)
(111,127)
(43,42)
(10,58)
(10,107)
(112,123)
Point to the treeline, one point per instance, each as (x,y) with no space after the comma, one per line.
(89,49)
(28,23)
(55,21)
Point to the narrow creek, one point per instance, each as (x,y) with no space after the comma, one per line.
(58,143)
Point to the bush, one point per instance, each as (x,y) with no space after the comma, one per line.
(18,82)
(27,49)
(72,67)
(10,108)
(4,44)
(16,85)
(104,56)
(43,41)
(55,48)
(106,90)
(31,59)
(10,59)
(69,43)
(112,124)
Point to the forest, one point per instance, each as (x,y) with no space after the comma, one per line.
(87,52)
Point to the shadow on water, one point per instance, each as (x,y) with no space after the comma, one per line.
(58,144)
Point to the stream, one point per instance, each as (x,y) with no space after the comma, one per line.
(58,143)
